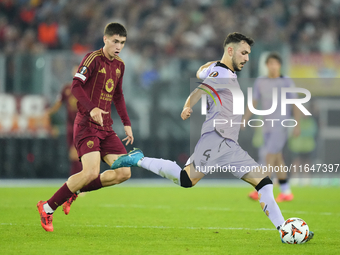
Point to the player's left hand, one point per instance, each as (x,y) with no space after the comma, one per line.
(129,138)
(186,113)
(296,131)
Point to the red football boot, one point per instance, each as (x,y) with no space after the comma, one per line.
(254,195)
(67,204)
(46,219)
(284,197)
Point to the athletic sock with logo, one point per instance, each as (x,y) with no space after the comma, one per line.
(59,197)
(268,203)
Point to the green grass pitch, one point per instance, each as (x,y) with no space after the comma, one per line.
(166,220)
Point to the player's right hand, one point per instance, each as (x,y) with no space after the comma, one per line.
(96,115)
(186,113)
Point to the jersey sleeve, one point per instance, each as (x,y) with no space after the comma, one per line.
(119,101)
(86,67)
(205,72)
(217,76)
(85,71)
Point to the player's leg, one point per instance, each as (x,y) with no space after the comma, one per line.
(91,168)
(264,187)
(162,167)
(171,170)
(245,168)
(117,176)
(111,148)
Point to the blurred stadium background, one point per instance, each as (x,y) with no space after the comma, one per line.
(40,41)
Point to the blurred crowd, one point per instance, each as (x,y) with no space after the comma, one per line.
(184,28)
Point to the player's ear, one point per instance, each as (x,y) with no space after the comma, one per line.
(230,50)
(104,38)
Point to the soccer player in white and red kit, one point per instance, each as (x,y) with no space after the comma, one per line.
(96,85)
(218,146)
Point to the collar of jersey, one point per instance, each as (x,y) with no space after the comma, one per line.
(223,65)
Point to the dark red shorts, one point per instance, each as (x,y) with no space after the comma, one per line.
(87,139)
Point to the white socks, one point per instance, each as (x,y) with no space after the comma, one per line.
(269,205)
(165,168)
(48,209)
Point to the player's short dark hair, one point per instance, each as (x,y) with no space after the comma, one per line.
(115,29)
(274,55)
(236,38)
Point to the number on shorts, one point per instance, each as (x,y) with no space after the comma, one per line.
(206,154)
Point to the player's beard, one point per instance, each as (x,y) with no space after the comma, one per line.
(235,66)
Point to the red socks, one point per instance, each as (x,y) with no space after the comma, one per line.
(60,197)
(94,185)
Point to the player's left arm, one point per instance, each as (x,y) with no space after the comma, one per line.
(192,99)
(119,102)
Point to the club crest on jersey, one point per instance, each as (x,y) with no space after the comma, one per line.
(82,70)
(90,144)
(213,74)
(109,85)
(118,73)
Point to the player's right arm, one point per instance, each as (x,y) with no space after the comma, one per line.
(203,71)
(192,99)
(79,80)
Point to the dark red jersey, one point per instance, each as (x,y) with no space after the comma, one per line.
(71,103)
(98,83)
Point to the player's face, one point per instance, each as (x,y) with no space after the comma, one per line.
(240,56)
(274,67)
(114,44)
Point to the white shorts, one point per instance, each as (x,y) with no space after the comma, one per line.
(214,153)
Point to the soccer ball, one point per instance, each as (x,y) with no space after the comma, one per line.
(294,231)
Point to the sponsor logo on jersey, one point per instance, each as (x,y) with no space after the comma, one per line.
(90,144)
(109,85)
(213,74)
(82,70)
(102,70)
(118,73)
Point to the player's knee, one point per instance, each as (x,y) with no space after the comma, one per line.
(186,182)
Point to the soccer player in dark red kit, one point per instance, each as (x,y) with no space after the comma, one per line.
(96,85)
(66,97)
